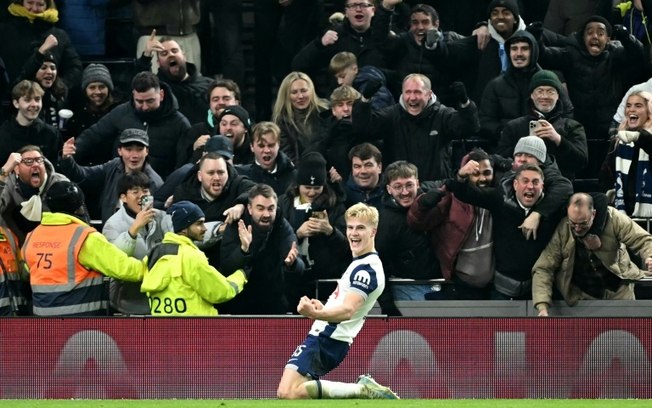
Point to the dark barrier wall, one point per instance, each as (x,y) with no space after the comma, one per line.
(244,357)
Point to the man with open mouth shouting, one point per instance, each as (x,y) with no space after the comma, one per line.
(24,180)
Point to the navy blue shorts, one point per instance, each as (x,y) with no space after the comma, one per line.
(318,356)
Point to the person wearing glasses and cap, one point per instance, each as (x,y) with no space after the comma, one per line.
(25,179)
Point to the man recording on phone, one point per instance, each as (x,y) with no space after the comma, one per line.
(564,137)
(135,228)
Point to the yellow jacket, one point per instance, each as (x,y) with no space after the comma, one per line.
(182,283)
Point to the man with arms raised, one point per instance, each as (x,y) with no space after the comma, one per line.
(186,83)
(418,129)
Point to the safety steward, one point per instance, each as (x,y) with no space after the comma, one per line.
(180,281)
(67,259)
(13,275)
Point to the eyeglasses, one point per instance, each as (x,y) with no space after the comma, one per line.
(358,6)
(28,161)
(401,187)
(545,92)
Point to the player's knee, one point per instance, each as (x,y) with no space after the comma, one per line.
(285,393)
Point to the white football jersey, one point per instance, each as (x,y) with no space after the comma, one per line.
(365,276)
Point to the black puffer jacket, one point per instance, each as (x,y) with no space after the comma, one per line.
(20,39)
(280,180)
(235,192)
(190,93)
(165,127)
(405,56)
(596,84)
(264,293)
(424,139)
(405,252)
(314,56)
(571,155)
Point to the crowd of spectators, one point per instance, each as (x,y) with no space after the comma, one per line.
(488,135)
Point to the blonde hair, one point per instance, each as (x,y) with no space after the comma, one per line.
(263,128)
(344,93)
(364,212)
(341,61)
(647,97)
(283,110)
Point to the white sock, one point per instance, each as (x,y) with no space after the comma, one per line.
(333,390)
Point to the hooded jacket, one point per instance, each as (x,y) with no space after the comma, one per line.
(507,96)
(180,281)
(478,67)
(164,126)
(448,225)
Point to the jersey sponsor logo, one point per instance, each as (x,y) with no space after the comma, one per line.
(361,278)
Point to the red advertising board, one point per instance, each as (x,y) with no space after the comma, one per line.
(244,357)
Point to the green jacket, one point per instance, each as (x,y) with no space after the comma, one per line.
(180,281)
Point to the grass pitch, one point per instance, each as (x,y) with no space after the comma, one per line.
(407,403)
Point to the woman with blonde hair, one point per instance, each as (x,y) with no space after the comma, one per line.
(627,168)
(297,112)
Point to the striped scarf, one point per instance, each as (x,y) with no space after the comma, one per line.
(632,161)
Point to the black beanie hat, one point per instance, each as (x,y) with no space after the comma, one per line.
(184,214)
(510,5)
(240,113)
(64,196)
(311,170)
